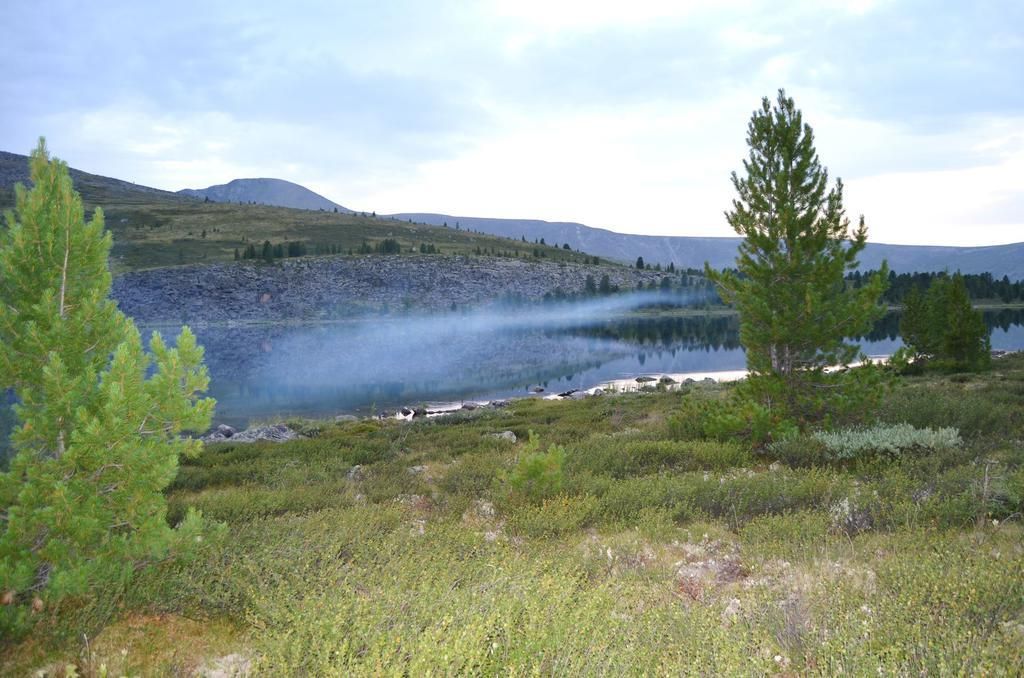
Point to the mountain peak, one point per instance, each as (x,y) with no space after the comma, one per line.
(265,191)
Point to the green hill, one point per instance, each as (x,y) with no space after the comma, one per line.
(154,228)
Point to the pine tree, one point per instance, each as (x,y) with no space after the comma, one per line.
(795,308)
(965,338)
(914,325)
(82,501)
(942,328)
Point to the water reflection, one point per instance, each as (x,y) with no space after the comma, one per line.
(269,371)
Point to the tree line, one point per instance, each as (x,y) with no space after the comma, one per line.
(977,285)
(269,251)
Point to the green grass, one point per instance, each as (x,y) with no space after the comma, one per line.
(654,555)
(170,233)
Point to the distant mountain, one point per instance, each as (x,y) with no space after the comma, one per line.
(130,202)
(276,192)
(692,252)
(96,188)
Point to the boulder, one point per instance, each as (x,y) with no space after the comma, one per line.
(275,433)
(644,380)
(229,666)
(345,418)
(219,434)
(507,436)
(484,509)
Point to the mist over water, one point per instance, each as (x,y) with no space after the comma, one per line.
(383,363)
(426,348)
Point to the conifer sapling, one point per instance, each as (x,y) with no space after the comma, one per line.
(97,440)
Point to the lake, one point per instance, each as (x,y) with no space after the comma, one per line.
(362,366)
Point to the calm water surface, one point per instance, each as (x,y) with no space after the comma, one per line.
(373,365)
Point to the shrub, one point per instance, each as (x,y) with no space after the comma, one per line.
(736,418)
(538,475)
(245,503)
(787,535)
(472,474)
(803,451)
(609,456)
(627,501)
(737,497)
(893,441)
(554,517)
(970,411)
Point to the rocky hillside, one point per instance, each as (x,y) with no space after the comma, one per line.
(320,288)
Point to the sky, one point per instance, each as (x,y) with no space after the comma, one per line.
(625,116)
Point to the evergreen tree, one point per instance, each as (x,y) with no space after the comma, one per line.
(268,252)
(795,308)
(98,441)
(943,328)
(640,263)
(914,325)
(965,338)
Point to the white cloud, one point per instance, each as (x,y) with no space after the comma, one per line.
(622,116)
(588,15)
(743,39)
(941,207)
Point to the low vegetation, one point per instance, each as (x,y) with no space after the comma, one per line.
(604,540)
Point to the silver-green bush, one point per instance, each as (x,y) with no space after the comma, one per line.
(886,439)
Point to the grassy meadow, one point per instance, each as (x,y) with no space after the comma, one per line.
(167,234)
(611,541)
